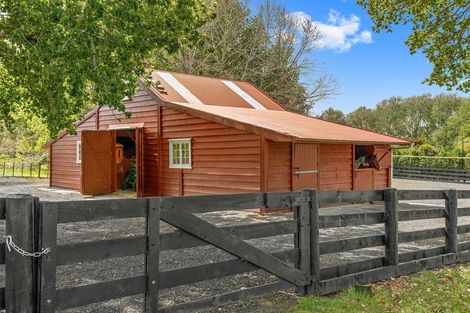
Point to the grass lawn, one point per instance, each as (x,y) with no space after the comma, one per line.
(441,290)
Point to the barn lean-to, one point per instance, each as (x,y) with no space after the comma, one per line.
(222,136)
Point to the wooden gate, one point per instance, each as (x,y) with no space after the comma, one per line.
(305,166)
(31,225)
(98,162)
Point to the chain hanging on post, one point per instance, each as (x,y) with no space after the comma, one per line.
(11,245)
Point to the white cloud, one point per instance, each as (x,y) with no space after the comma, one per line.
(339,33)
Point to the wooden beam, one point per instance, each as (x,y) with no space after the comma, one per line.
(20,273)
(451,203)
(47,263)
(152,255)
(231,244)
(391,226)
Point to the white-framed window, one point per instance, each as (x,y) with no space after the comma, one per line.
(180,153)
(78,152)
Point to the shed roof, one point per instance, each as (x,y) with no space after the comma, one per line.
(242,105)
(286,126)
(200,90)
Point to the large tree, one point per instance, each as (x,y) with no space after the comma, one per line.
(65,56)
(268,48)
(440,28)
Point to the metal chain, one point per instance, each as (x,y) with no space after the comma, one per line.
(10,244)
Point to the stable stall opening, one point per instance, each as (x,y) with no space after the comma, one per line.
(126,168)
(364,157)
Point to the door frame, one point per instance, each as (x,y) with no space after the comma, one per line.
(139,152)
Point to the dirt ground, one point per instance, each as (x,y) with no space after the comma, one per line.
(92,272)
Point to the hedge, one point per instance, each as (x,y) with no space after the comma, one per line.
(431,161)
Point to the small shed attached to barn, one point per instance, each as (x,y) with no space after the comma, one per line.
(201,135)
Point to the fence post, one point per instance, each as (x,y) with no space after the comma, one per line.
(391,226)
(314,242)
(20,271)
(13,170)
(152,255)
(31,170)
(303,236)
(451,210)
(39,170)
(4,168)
(47,263)
(22,168)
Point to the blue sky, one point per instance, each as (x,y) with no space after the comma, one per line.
(368,66)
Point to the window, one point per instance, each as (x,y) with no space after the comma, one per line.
(180,153)
(79,152)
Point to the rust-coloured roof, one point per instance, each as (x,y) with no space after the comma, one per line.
(200,90)
(286,126)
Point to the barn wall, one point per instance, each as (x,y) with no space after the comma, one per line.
(279,166)
(144,110)
(336,167)
(224,159)
(382,177)
(65,172)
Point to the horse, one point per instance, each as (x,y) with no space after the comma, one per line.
(367,161)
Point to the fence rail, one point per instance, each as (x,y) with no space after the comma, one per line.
(438,174)
(24,169)
(295,268)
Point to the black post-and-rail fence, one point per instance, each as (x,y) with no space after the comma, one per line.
(24,169)
(32,225)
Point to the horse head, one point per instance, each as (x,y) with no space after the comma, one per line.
(373,162)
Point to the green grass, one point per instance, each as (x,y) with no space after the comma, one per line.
(442,290)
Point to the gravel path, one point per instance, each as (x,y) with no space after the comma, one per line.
(92,272)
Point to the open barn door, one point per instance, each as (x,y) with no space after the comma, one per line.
(305,166)
(139,145)
(98,162)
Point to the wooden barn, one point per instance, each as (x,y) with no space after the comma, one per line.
(200,135)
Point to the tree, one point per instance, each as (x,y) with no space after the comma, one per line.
(333,115)
(455,131)
(66,56)
(438,124)
(363,118)
(268,48)
(440,29)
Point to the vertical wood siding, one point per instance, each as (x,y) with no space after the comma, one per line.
(224,159)
(279,166)
(336,167)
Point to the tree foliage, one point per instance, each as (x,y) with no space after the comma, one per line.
(268,48)
(440,28)
(333,115)
(64,57)
(437,123)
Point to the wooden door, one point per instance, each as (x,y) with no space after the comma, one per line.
(364,179)
(139,160)
(98,162)
(305,166)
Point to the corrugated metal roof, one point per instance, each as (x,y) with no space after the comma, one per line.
(199,90)
(288,125)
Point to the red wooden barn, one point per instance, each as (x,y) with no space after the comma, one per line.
(200,135)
